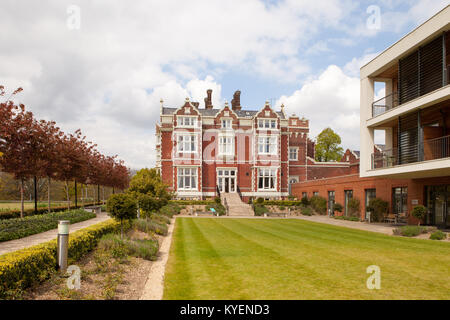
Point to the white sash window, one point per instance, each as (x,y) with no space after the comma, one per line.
(187,178)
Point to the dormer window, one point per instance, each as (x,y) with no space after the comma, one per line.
(187,121)
(226,123)
(267,124)
(294,122)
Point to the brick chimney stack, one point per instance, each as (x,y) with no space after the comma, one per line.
(208,99)
(236,101)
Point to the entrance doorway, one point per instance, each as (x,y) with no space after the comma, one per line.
(348,196)
(331,202)
(438,198)
(226,180)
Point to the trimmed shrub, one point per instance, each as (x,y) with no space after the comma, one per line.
(409,231)
(282,208)
(22,268)
(119,248)
(150,226)
(438,235)
(191,202)
(378,209)
(419,212)
(150,204)
(286,203)
(259,201)
(306,211)
(260,209)
(305,202)
(17,228)
(122,207)
(217,200)
(319,204)
(170,210)
(160,218)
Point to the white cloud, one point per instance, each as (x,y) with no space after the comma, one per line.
(352,67)
(329,100)
(108,77)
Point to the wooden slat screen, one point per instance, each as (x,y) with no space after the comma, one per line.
(421,72)
(408,138)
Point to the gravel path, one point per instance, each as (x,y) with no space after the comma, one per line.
(154,287)
(13,245)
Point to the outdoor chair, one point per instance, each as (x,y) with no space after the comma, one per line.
(390,218)
(403,217)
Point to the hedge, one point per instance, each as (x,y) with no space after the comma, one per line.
(285,203)
(11,214)
(191,202)
(17,228)
(23,268)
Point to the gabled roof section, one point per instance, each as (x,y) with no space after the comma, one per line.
(212,112)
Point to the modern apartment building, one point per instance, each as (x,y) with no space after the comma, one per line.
(414,115)
(202,152)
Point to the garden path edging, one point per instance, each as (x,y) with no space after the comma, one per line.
(154,286)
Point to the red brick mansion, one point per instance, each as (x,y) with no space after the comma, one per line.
(228,149)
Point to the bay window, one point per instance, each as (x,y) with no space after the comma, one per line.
(267,145)
(187,178)
(267,179)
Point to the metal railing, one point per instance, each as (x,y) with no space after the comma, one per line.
(225,204)
(431,149)
(385,104)
(218,191)
(437,148)
(239,192)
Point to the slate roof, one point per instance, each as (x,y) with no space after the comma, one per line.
(356,152)
(213,112)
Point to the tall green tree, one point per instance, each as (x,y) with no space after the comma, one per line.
(328,146)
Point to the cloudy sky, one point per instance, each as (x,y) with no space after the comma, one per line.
(103,66)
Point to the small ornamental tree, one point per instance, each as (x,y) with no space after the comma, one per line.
(121,207)
(319,204)
(149,204)
(378,208)
(419,212)
(354,207)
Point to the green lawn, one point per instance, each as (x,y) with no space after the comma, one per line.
(295,259)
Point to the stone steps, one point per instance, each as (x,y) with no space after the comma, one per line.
(235,205)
